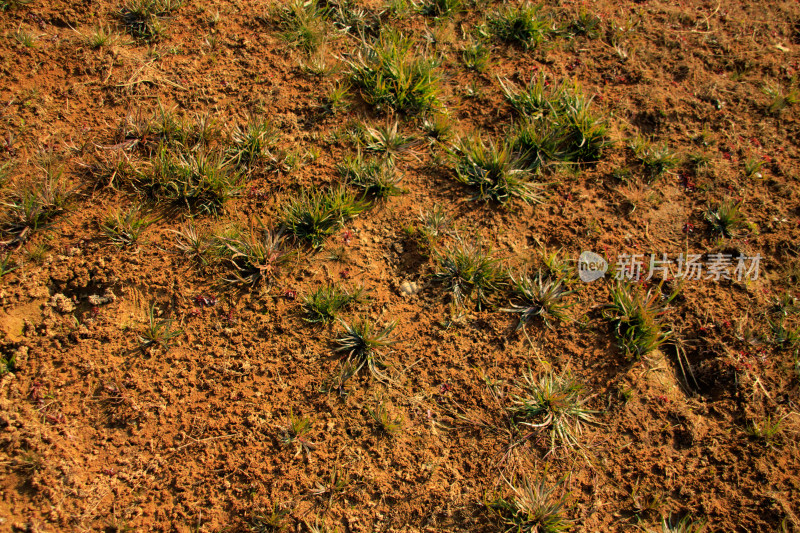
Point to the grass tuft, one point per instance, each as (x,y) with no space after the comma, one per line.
(390,76)
(495,172)
(522,25)
(361,343)
(376,178)
(324,303)
(255,257)
(539,296)
(635,315)
(532,508)
(553,403)
(125,227)
(726,219)
(469,272)
(316,215)
(158,332)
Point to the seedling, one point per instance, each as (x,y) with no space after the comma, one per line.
(494,171)
(24,37)
(99,37)
(586,24)
(323,304)
(727,219)
(438,127)
(553,403)
(192,245)
(295,434)
(158,332)
(655,159)
(780,98)
(34,204)
(636,318)
(143,18)
(440,8)
(269,521)
(521,25)
(532,508)
(475,56)
(316,215)
(202,182)
(333,486)
(124,228)
(539,296)
(303,24)
(435,224)
(361,343)
(685,525)
(252,143)
(390,143)
(256,257)
(752,167)
(469,272)
(765,431)
(376,178)
(7,266)
(5,5)
(390,76)
(336,100)
(387,424)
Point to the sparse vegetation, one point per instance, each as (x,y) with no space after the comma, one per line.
(389,74)
(125,227)
(158,332)
(654,158)
(539,296)
(385,422)
(533,507)
(522,25)
(315,215)
(361,343)
(553,403)
(256,257)
(726,220)
(469,272)
(324,303)
(635,315)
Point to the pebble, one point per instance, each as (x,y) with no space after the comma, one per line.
(409,288)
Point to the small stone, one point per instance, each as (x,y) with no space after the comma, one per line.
(398,248)
(409,288)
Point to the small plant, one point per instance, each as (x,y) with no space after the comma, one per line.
(781,335)
(7,266)
(780,98)
(521,25)
(303,24)
(469,272)
(376,178)
(390,76)
(438,127)
(475,56)
(533,508)
(361,343)
(435,224)
(124,228)
(24,37)
(726,219)
(336,100)
(268,521)
(585,24)
(685,525)
(295,433)
(251,144)
(752,167)
(496,172)
(5,5)
(440,8)
(34,204)
(143,18)
(539,296)
(655,159)
(388,142)
(158,332)
(765,431)
(202,182)
(323,304)
(99,37)
(553,403)
(636,318)
(386,423)
(256,257)
(318,214)
(334,485)
(192,245)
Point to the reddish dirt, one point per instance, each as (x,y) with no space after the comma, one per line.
(97,435)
